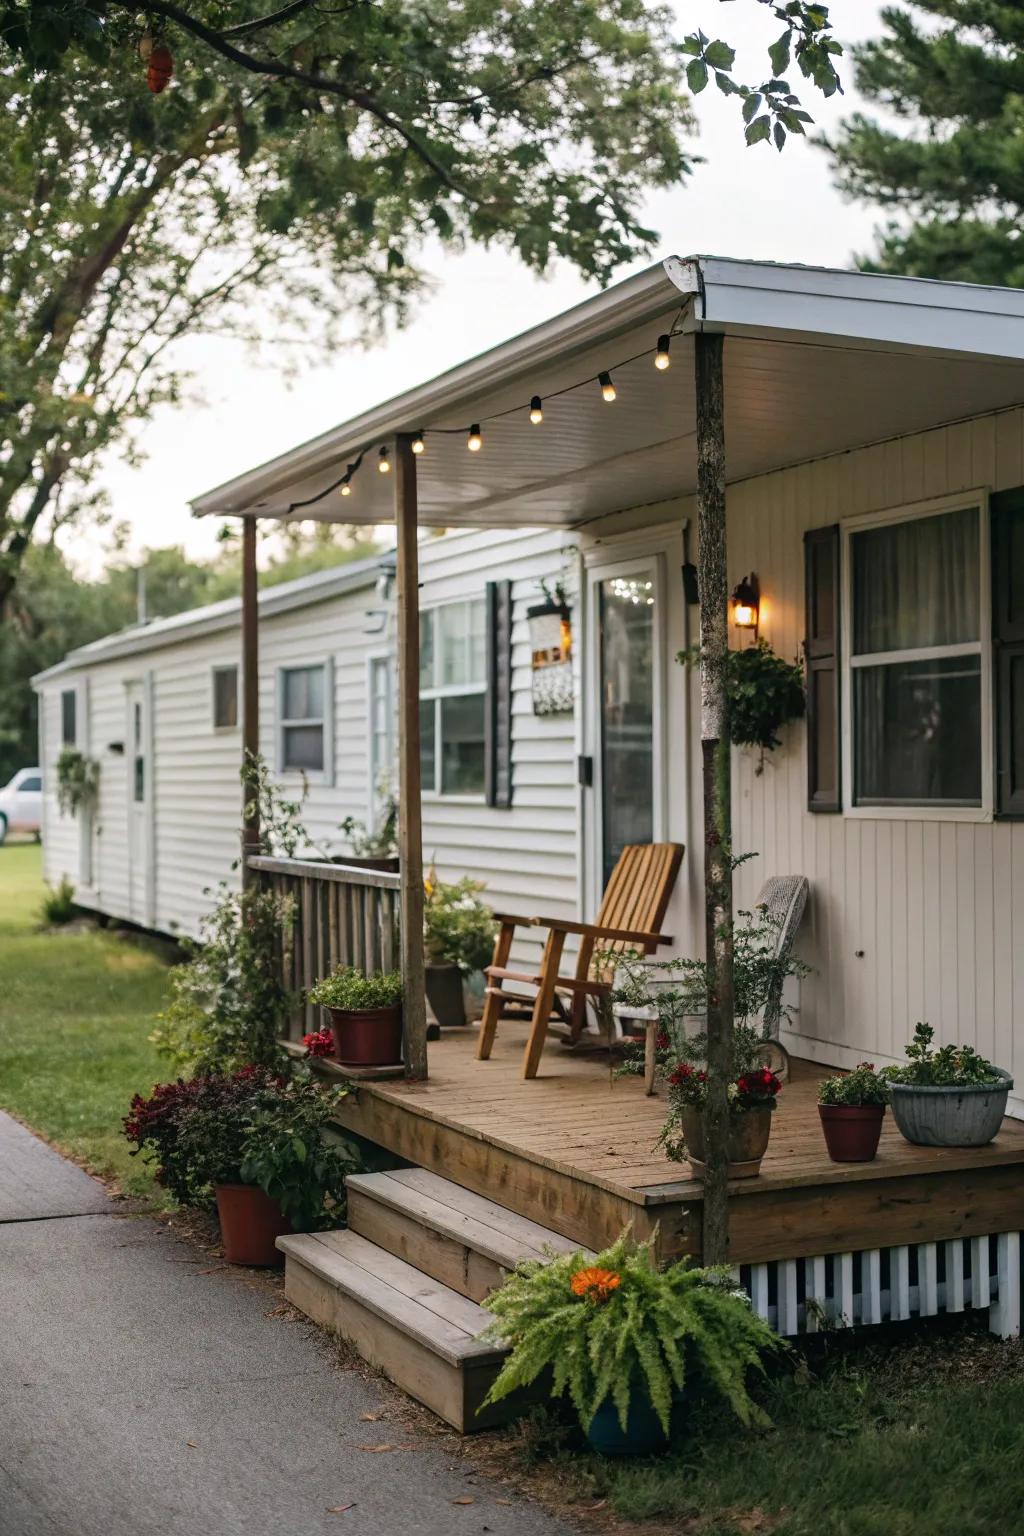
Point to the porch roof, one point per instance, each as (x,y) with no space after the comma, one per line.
(817,362)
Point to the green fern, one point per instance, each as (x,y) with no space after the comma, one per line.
(646,1334)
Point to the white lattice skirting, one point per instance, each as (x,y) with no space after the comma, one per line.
(882,1285)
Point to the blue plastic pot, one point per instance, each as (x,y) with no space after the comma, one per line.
(643,1434)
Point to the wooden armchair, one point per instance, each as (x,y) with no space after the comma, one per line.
(634,905)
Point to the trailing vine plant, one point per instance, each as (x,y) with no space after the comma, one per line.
(765,694)
(78,781)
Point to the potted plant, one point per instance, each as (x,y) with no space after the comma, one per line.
(851,1107)
(624,1339)
(78,782)
(366,1015)
(376,846)
(458,938)
(256,1144)
(752,1096)
(951,1097)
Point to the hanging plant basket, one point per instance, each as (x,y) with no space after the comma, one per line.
(78,782)
(765,693)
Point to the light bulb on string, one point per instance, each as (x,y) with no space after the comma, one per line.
(474,442)
(384,462)
(608,392)
(346,489)
(536,410)
(346,486)
(661,357)
(418,445)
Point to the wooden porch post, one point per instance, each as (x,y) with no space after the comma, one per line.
(714,730)
(250,694)
(410,823)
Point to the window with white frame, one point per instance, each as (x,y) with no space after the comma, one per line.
(453,697)
(302,733)
(69,717)
(381,712)
(918,688)
(225,698)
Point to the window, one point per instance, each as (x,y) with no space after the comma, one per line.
(69,717)
(917,678)
(304,696)
(30,786)
(381,712)
(138,757)
(225,698)
(453,688)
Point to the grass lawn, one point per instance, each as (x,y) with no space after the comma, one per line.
(919,1438)
(76,1008)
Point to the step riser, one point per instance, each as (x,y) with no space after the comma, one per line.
(442,1257)
(454,1393)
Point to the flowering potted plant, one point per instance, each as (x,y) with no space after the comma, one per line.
(366,1015)
(752,1095)
(458,938)
(951,1097)
(624,1338)
(254,1142)
(851,1107)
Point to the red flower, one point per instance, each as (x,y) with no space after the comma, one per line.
(661,1040)
(319,1043)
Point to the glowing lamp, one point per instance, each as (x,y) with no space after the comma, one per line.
(746,603)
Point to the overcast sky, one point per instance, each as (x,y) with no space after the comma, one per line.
(740,202)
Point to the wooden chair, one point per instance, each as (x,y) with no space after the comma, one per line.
(634,905)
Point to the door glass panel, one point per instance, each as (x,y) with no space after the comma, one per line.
(626,610)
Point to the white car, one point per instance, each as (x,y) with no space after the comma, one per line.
(21,803)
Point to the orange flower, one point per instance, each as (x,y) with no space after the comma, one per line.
(595,1284)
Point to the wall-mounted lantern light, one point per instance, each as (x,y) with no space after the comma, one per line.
(746,603)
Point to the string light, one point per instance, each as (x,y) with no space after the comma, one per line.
(536,411)
(346,489)
(475,441)
(384,462)
(418,445)
(661,357)
(607,387)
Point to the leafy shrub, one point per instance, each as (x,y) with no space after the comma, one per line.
(229,1005)
(78,781)
(613,1326)
(458,928)
(347,989)
(952,1066)
(861,1086)
(247,1127)
(58,904)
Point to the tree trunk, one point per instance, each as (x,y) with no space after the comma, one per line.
(250,698)
(714,655)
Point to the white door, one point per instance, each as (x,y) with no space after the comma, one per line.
(624,802)
(139,775)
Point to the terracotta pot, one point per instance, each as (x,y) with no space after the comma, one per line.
(249,1223)
(851,1130)
(749,1130)
(444,994)
(367,1037)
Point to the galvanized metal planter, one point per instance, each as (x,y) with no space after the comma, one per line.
(967,1116)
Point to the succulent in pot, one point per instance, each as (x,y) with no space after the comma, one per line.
(366,1015)
(851,1107)
(950,1097)
(255,1143)
(458,938)
(624,1339)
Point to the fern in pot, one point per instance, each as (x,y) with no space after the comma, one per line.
(625,1338)
(366,1015)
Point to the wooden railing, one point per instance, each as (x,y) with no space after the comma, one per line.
(343,915)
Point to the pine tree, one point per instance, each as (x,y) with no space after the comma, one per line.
(950,173)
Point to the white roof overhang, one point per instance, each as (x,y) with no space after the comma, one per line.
(816,362)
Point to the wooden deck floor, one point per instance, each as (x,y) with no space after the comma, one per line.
(576,1149)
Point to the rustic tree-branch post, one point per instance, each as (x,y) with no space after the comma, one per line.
(410,822)
(250,698)
(714,648)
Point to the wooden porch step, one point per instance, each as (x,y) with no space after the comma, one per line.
(466,1242)
(420,1333)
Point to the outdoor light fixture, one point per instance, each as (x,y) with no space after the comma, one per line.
(607,387)
(384,462)
(474,441)
(661,357)
(418,444)
(746,603)
(346,489)
(536,411)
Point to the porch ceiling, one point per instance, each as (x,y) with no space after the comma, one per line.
(815,363)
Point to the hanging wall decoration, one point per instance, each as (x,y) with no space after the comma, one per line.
(551,652)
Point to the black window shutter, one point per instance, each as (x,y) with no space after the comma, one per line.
(1008,646)
(821,593)
(498,759)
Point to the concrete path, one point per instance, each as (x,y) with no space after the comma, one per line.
(140,1396)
